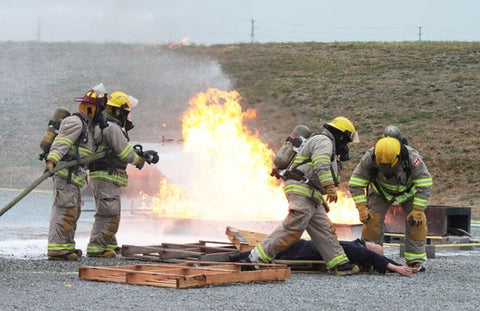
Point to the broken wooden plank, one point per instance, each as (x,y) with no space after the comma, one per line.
(159,252)
(135,249)
(228,244)
(244,240)
(313,266)
(304,266)
(217,256)
(168,251)
(199,246)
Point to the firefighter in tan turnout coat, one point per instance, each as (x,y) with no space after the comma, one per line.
(108,175)
(393,172)
(317,163)
(74,141)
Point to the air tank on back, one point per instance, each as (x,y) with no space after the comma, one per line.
(47,139)
(292,145)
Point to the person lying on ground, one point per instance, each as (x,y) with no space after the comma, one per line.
(358,252)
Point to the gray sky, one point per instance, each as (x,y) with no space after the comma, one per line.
(228,21)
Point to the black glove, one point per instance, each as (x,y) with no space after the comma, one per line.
(150,156)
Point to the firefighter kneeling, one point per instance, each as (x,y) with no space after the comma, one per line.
(108,175)
(393,172)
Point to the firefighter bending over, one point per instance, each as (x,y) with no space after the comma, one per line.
(393,172)
(108,175)
(317,165)
(74,141)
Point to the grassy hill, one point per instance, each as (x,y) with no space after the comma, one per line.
(429,89)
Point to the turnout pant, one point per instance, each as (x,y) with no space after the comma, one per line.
(373,231)
(107,216)
(63,220)
(304,214)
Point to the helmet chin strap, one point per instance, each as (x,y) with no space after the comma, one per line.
(90,113)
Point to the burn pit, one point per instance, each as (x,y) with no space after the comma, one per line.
(218,176)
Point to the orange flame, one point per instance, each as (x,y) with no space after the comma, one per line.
(344,211)
(230,179)
(231,176)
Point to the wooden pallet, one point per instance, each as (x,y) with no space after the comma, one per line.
(172,252)
(185,275)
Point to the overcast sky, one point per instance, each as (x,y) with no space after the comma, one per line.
(228,21)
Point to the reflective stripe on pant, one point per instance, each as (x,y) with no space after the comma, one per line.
(63,220)
(373,231)
(415,237)
(107,216)
(305,215)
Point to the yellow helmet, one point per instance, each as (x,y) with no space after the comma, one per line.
(387,152)
(120,100)
(345,126)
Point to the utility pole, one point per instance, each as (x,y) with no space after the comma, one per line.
(252,30)
(420,33)
(39,30)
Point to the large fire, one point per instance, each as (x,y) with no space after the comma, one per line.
(230,176)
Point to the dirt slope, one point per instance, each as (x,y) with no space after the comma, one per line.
(430,90)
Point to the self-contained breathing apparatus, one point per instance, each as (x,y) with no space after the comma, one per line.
(285,156)
(284,159)
(52,130)
(54,126)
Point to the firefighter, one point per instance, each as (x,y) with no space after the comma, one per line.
(393,172)
(316,163)
(108,175)
(74,141)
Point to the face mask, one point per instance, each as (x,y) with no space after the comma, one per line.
(99,118)
(128,125)
(343,152)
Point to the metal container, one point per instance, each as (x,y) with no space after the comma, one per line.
(347,232)
(441,220)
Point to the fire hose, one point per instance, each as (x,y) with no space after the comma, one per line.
(39,180)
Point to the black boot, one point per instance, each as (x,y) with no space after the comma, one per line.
(420,266)
(346,269)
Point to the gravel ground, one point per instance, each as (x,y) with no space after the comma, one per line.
(452,282)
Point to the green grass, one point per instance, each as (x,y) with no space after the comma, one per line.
(416,85)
